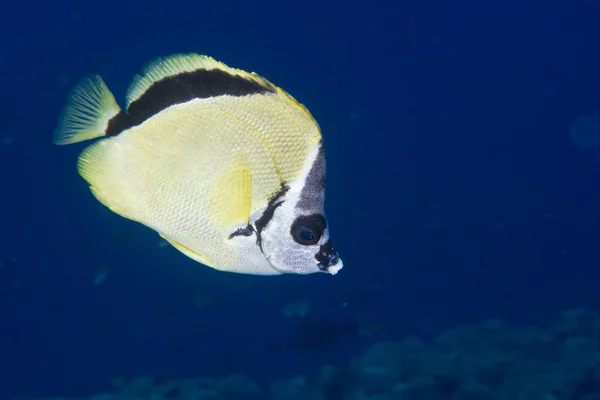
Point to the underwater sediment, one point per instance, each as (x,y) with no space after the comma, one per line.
(491,360)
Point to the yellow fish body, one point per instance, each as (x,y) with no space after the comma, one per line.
(224,165)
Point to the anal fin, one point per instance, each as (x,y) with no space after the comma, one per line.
(101,166)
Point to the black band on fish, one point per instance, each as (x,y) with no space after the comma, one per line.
(119,123)
(267,215)
(313,191)
(245,231)
(326,256)
(181,88)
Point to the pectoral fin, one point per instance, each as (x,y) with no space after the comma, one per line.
(231,197)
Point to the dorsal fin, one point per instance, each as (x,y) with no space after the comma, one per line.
(184,66)
(181,78)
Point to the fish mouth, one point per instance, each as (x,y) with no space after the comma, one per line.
(328,259)
(334,268)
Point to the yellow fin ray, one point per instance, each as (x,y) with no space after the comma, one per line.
(100,165)
(89,108)
(98,195)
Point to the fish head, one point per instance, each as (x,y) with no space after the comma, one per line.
(296,238)
(299,243)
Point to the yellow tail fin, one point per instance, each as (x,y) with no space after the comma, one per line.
(87,113)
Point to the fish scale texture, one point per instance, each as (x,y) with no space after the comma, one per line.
(196,171)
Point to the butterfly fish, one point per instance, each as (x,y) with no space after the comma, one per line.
(224,165)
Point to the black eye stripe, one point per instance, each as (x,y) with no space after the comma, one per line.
(267,215)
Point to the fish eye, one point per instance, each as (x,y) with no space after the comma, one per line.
(307,230)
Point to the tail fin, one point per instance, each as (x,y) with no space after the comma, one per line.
(86,115)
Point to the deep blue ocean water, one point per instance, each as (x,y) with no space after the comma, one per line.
(454,191)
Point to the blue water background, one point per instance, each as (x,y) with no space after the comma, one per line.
(454,193)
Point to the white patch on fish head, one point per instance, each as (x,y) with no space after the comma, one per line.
(293,231)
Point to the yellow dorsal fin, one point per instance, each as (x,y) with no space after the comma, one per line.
(164,67)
